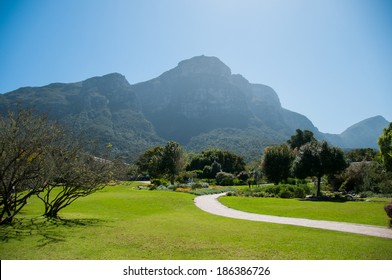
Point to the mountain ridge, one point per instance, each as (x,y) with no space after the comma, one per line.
(199,103)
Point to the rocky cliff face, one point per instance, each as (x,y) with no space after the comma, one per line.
(201,95)
(195,97)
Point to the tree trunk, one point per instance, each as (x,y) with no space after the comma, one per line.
(52,213)
(318,186)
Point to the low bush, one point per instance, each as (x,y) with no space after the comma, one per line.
(282,191)
(291,181)
(272,189)
(193,185)
(336,196)
(162,184)
(159,182)
(285,193)
(388,210)
(229,190)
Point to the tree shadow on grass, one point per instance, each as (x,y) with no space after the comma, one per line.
(49,230)
(323,200)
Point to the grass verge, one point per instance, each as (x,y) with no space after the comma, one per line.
(360,212)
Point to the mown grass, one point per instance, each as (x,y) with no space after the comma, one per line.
(361,212)
(122,223)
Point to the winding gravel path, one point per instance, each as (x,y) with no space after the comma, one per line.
(210,204)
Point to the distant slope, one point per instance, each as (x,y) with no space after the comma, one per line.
(364,134)
(103,108)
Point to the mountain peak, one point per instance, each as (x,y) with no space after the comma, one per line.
(109,82)
(376,121)
(203,65)
(112,77)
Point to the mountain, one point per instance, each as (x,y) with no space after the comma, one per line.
(199,103)
(361,135)
(102,108)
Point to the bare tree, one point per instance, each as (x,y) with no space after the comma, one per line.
(24,142)
(75,174)
(41,158)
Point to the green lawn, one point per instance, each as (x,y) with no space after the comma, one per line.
(122,223)
(360,212)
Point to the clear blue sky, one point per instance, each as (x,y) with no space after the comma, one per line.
(329,60)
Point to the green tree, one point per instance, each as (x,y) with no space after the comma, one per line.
(276,163)
(300,138)
(318,159)
(215,168)
(229,162)
(173,160)
(385,144)
(150,162)
(358,155)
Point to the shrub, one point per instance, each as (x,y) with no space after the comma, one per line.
(259,194)
(243,177)
(159,182)
(212,191)
(275,189)
(283,191)
(286,193)
(291,181)
(186,176)
(366,194)
(388,210)
(299,192)
(224,179)
(231,194)
(198,185)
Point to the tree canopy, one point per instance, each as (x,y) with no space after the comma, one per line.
(167,161)
(300,138)
(228,161)
(276,163)
(173,160)
(318,159)
(150,161)
(385,144)
(363,154)
(75,174)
